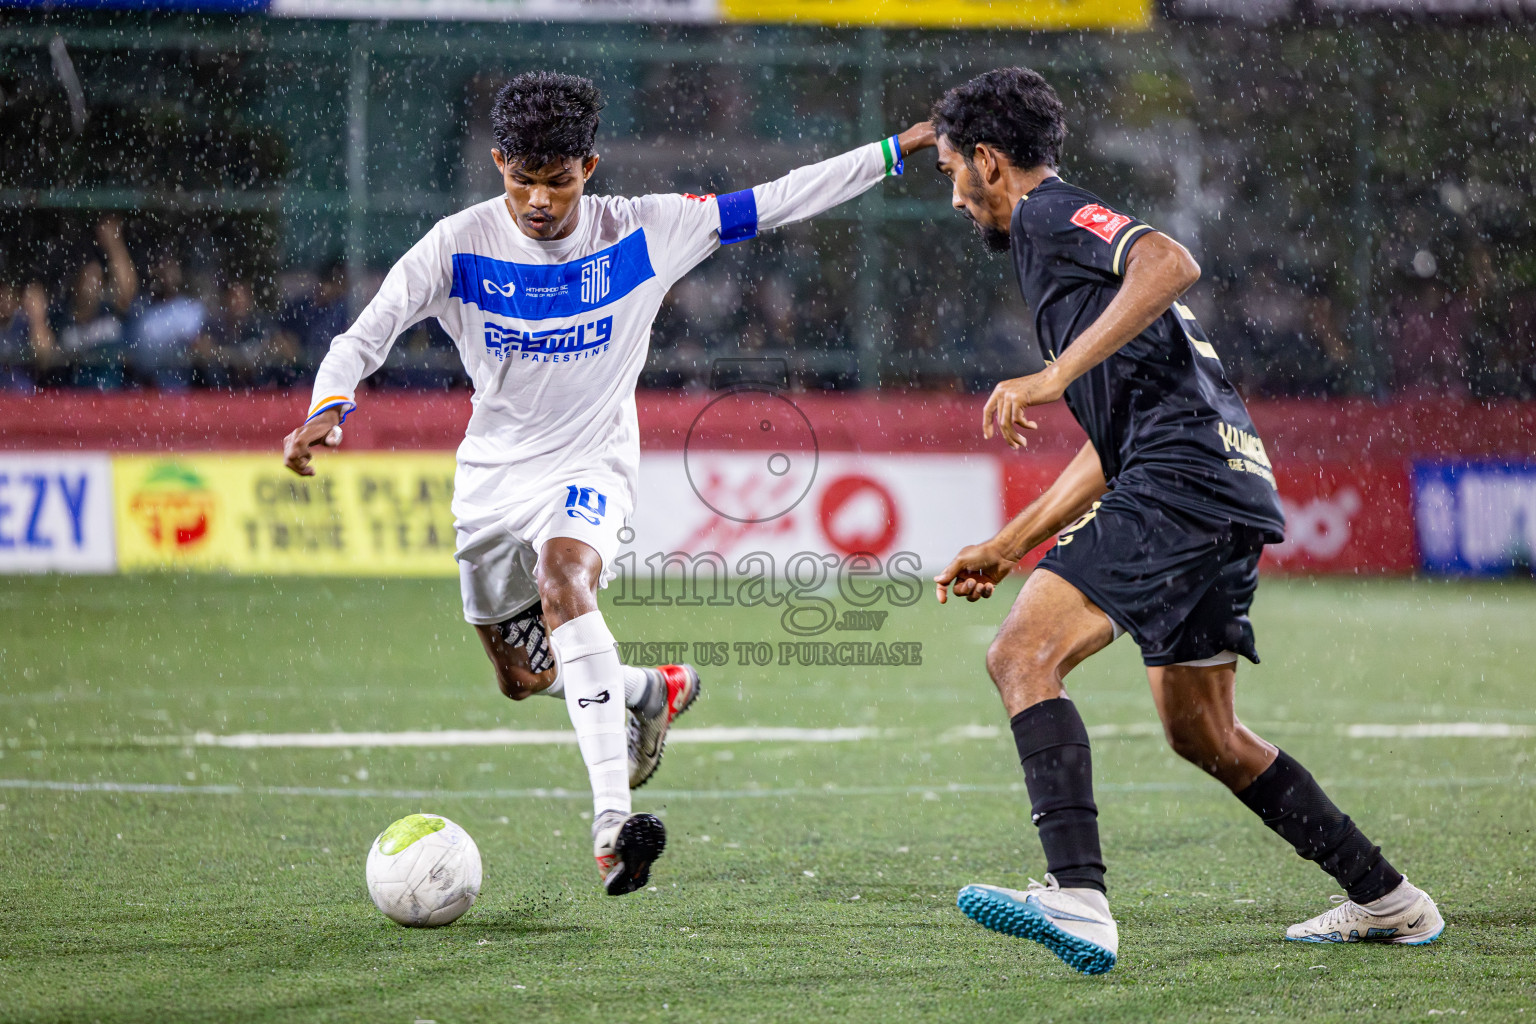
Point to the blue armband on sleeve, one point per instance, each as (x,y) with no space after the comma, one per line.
(738,216)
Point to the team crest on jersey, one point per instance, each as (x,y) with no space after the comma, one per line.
(1100,221)
(506,291)
(595,279)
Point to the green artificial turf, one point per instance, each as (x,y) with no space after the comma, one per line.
(802,881)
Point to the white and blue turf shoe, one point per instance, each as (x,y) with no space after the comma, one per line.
(1075,924)
(1405,916)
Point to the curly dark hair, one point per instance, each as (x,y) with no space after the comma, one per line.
(541,117)
(1013,109)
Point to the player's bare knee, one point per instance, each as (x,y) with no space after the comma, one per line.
(1002,657)
(1199,741)
(565,591)
(1021,663)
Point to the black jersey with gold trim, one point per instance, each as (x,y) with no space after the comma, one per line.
(1160,412)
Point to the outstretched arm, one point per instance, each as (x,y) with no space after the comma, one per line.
(815,188)
(977,569)
(692,227)
(125,279)
(1157,271)
(413,290)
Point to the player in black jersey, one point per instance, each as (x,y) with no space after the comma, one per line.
(1162,518)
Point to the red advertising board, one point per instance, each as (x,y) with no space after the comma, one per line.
(1345,518)
(1341,517)
(1342,465)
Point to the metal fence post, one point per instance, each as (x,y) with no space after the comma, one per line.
(869,288)
(357,166)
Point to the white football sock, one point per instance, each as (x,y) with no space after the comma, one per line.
(637,686)
(592,677)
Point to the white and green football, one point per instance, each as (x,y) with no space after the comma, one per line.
(423,871)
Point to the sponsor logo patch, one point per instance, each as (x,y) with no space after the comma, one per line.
(563,344)
(1102,222)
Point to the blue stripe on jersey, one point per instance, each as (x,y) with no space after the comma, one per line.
(543,291)
(738,216)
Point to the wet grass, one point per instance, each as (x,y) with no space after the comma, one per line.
(803,881)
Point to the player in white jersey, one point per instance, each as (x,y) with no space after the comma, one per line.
(549,294)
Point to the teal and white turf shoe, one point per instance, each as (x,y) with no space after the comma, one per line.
(672,690)
(1072,923)
(1405,916)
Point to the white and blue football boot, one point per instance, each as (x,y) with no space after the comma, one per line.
(1406,916)
(1075,924)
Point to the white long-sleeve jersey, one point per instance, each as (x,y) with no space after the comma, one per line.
(554,334)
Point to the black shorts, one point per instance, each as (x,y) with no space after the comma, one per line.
(1180,583)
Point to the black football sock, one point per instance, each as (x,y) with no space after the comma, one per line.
(1058,771)
(1291,802)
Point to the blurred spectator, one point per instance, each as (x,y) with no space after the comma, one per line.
(1289,342)
(163,337)
(424,359)
(1500,335)
(678,359)
(235,350)
(1522,337)
(821,332)
(1271,313)
(1278,334)
(93,335)
(1425,333)
(1007,346)
(26,339)
(708,302)
(308,325)
(1329,356)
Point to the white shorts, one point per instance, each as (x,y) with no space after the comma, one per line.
(498,548)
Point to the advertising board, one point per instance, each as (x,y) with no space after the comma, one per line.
(1475,518)
(363,514)
(56,513)
(389,514)
(734,504)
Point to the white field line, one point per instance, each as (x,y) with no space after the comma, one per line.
(662,795)
(498,737)
(757,734)
(1435,730)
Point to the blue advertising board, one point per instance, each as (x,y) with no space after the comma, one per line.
(1475,518)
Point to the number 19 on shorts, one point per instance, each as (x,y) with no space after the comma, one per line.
(585,503)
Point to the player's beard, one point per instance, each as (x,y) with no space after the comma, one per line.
(992,238)
(997,241)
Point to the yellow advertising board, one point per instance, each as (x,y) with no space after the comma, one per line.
(365,514)
(1024,14)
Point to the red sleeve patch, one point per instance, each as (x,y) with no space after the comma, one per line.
(699,199)
(1100,221)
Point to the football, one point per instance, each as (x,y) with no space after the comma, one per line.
(423,871)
